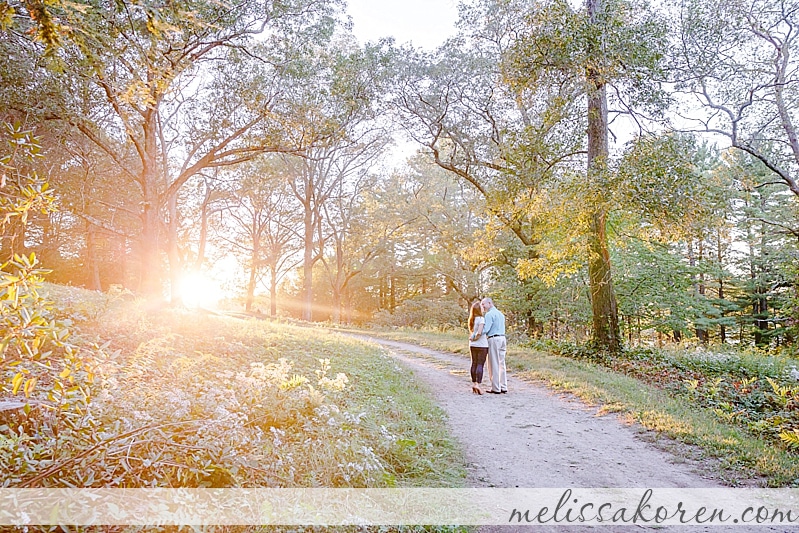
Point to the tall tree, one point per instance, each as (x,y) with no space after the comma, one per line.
(616,43)
(603,298)
(264,218)
(153,64)
(507,108)
(345,114)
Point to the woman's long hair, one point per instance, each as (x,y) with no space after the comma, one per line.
(474,310)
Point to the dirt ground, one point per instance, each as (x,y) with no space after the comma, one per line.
(534,437)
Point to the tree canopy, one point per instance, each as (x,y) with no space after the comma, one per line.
(618,171)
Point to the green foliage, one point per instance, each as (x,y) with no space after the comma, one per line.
(751,390)
(424,312)
(625,44)
(6,15)
(46,381)
(184,400)
(661,177)
(790,438)
(28,324)
(21,189)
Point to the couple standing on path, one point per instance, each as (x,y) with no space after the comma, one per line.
(487,339)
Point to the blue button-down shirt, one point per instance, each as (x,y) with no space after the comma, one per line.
(495,322)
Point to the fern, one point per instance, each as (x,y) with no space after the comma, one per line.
(791,438)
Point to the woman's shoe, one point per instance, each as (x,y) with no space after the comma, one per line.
(476,390)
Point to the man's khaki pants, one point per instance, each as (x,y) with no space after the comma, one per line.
(497,373)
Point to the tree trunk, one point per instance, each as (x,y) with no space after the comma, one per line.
(337,285)
(150,270)
(273,290)
(761,298)
(336,304)
(346,310)
(203,229)
(699,287)
(253,280)
(603,298)
(307,265)
(93,259)
(173,253)
(13,240)
(719,258)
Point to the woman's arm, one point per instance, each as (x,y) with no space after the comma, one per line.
(477,332)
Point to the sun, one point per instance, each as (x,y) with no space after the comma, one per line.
(197,290)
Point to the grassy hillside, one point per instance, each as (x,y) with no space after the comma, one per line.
(176,398)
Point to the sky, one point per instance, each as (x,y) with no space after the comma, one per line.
(425,23)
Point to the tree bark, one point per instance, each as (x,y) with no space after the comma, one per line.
(273,290)
(307,265)
(720,258)
(150,270)
(204,214)
(173,253)
(702,333)
(93,259)
(253,279)
(603,299)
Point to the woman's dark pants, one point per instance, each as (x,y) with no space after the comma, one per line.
(478,362)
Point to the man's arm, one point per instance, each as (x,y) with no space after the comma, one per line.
(489,319)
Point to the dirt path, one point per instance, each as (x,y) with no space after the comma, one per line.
(534,437)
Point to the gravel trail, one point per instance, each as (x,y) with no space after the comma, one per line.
(534,437)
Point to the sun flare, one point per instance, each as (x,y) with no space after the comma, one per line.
(197,290)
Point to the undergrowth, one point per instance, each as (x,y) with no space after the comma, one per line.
(753,390)
(181,399)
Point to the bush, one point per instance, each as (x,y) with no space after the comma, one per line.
(46,379)
(178,406)
(420,312)
(181,399)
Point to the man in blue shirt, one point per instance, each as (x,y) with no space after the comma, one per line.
(497,346)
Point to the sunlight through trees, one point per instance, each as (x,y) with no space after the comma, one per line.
(617,171)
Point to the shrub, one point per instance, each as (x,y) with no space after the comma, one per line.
(421,312)
(181,399)
(46,380)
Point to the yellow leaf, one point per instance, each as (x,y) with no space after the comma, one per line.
(29,385)
(16,382)
(65,373)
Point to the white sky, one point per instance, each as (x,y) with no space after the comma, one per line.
(425,23)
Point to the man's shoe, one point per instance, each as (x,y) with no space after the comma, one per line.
(493,392)
(503,392)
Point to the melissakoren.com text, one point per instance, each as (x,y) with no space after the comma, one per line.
(647,511)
